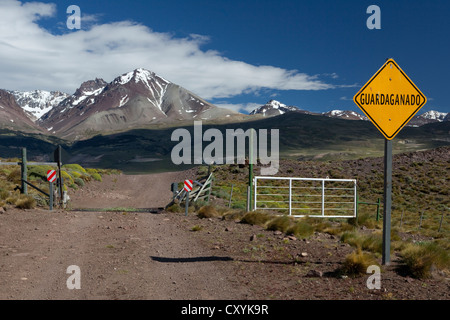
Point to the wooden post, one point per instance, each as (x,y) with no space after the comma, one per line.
(421,217)
(61,185)
(210,188)
(401,218)
(440,223)
(231,195)
(378,209)
(24,171)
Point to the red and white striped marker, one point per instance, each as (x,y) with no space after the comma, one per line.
(188,185)
(51,175)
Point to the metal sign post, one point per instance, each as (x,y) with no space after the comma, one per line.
(186,207)
(389,99)
(386,251)
(187,187)
(50,192)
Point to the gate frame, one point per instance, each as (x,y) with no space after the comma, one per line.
(323,180)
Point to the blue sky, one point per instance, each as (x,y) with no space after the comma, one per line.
(311,54)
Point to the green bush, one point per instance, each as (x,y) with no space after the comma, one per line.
(75,174)
(79,182)
(75,167)
(96,176)
(39,172)
(67,178)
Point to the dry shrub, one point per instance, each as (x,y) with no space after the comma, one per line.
(14,176)
(281,223)
(421,259)
(357,262)
(174,208)
(256,218)
(207,212)
(233,215)
(26,202)
(301,229)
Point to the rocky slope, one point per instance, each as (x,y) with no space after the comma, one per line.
(12,116)
(131,100)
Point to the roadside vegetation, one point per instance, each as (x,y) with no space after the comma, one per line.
(419,225)
(74,177)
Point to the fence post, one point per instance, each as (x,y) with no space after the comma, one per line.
(256,189)
(24,171)
(210,187)
(421,216)
(440,223)
(401,218)
(290,196)
(174,190)
(231,195)
(50,193)
(248,198)
(323,197)
(378,209)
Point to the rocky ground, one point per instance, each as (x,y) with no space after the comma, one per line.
(140,256)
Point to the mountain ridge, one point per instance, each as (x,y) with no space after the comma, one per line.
(136,99)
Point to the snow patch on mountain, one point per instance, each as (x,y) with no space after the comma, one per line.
(38,102)
(434,115)
(273,107)
(344,114)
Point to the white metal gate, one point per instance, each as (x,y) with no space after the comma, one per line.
(314,197)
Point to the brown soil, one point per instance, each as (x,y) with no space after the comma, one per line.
(139,255)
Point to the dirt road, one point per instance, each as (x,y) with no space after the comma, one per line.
(120,256)
(128,255)
(128,191)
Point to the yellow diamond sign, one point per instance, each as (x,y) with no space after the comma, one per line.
(390,99)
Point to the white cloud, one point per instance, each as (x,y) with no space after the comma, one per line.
(34,58)
(242,108)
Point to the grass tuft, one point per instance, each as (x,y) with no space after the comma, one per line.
(422,258)
(357,262)
(256,218)
(207,212)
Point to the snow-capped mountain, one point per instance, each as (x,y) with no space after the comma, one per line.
(345,114)
(434,115)
(136,98)
(428,117)
(273,108)
(38,102)
(12,116)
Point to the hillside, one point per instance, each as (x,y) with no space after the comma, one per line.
(301,136)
